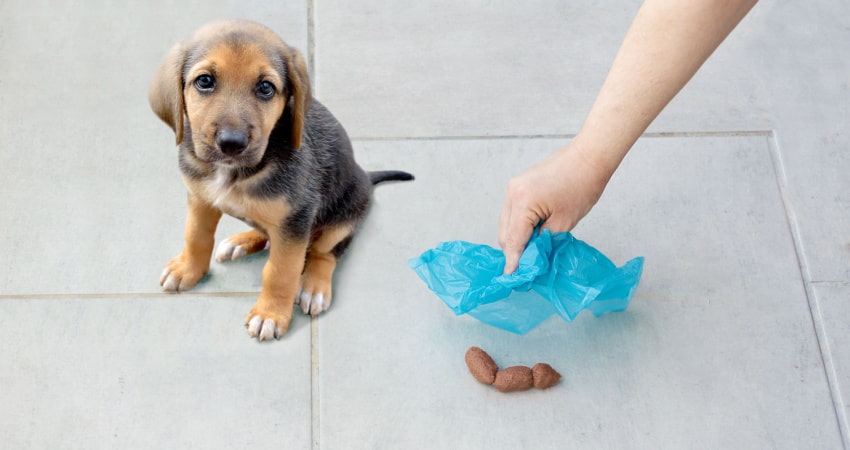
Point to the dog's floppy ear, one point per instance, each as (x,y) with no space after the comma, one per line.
(299,82)
(166,91)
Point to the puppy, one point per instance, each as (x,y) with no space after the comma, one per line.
(255,145)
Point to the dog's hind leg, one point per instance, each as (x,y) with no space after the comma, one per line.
(326,248)
(241,244)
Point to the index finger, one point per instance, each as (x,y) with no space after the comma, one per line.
(515,231)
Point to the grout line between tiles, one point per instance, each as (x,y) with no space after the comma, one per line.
(811,298)
(831,283)
(311,44)
(124,295)
(315,404)
(462,137)
(315,400)
(663,134)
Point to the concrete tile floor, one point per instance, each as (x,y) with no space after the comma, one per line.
(738,198)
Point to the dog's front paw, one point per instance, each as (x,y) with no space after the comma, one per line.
(265,324)
(180,275)
(316,288)
(313,302)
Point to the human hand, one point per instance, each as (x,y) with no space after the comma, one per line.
(559,191)
(665,46)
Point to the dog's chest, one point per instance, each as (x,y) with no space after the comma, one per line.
(225,192)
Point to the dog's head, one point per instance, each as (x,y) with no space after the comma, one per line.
(230,84)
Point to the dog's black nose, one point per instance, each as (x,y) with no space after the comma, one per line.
(231,142)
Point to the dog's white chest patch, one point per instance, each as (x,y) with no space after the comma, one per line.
(221,184)
(223,193)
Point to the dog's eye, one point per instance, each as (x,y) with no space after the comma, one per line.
(265,90)
(205,83)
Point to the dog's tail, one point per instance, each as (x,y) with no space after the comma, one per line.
(379,176)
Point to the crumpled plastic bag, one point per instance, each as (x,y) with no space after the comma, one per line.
(557,274)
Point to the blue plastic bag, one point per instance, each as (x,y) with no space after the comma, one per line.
(557,274)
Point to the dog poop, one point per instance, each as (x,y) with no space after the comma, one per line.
(516,378)
(481,365)
(511,379)
(544,376)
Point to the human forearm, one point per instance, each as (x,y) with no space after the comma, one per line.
(667,43)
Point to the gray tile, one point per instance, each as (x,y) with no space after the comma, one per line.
(477,68)
(832,300)
(805,69)
(155,372)
(484,68)
(818,189)
(90,196)
(717,351)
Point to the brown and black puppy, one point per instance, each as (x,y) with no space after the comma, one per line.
(254,144)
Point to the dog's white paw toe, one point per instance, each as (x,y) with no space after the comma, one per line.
(312,304)
(165,281)
(263,330)
(228,251)
(169,280)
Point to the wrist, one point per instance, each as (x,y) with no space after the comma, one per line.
(600,162)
